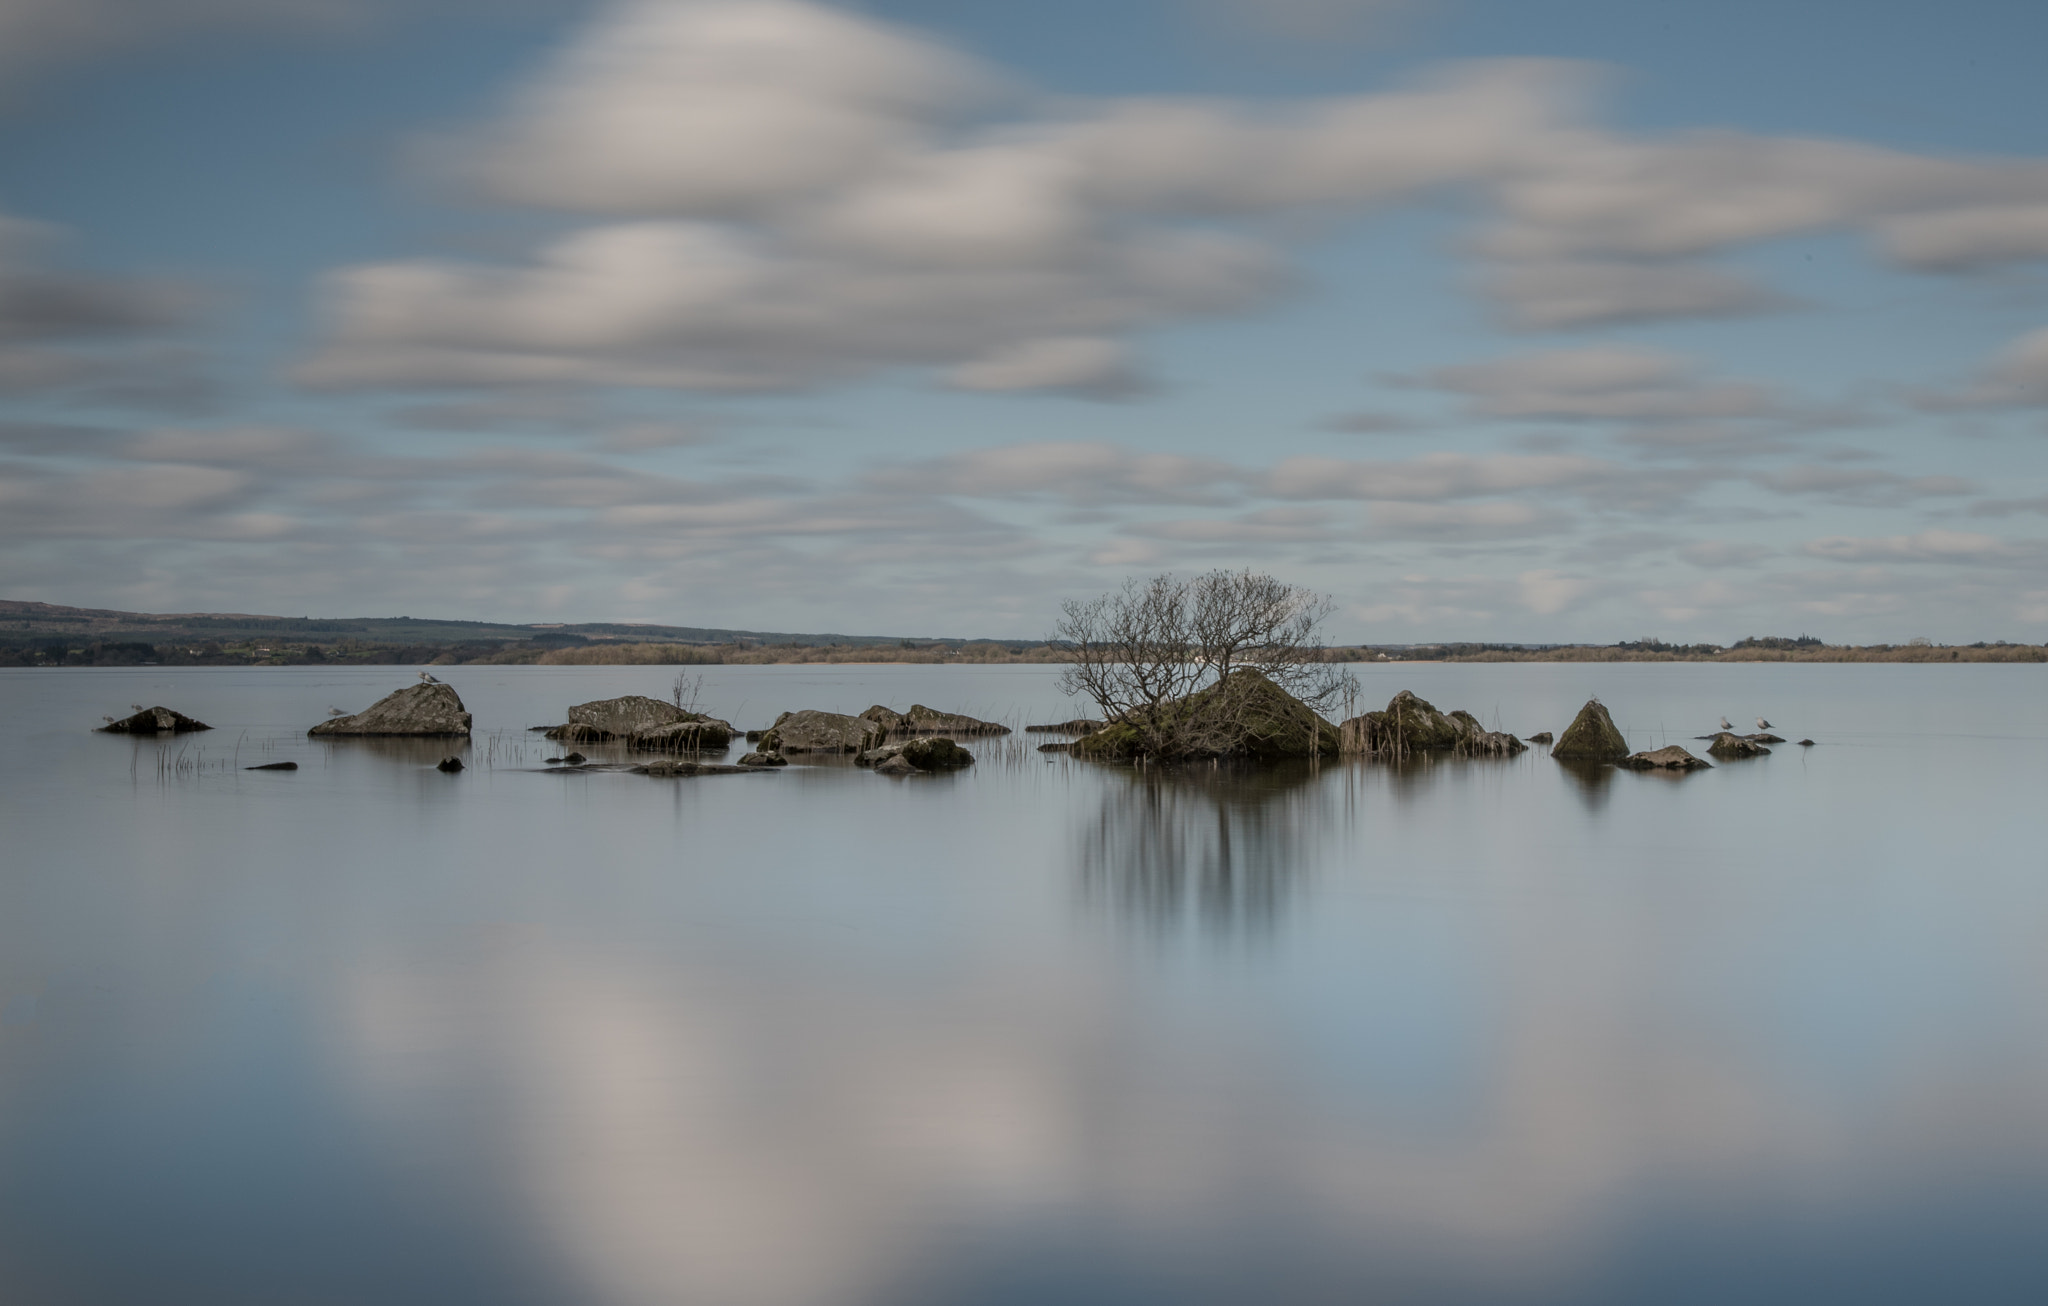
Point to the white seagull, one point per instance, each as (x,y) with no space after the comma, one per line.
(428,679)
(1762,724)
(1725,725)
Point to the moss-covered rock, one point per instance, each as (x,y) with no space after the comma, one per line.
(1591,737)
(1669,758)
(821,732)
(922,720)
(1414,725)
(1727,744)
(428,708)
(1266,722)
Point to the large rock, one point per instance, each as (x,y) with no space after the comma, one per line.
(1271,724)
(707,735)
(821,732)
(1732,745)
(644,723)
(922,720)
(1591,737)
(1669,758)
(925,754)
(428,708)
(1413,725)
(154,721)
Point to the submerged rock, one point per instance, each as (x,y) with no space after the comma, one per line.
(428,708)
(274,766)
(572,759)
(670,769)
(764,759)
(450,764)
(896,766)
(1078,726)
(924,754)
(1732,745)
(1271,723)
(1541,737)
(820,732)
(1591,737)
(1806,743)
(1766,737)
(1413,725)
(154,721)
(1669,758)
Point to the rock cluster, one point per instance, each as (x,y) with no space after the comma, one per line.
(1591,737)
(1542,737)
(154,721)
(428,708)
(1269,724)
(1413,725)
(643,723)
(1078,726)
(668,769)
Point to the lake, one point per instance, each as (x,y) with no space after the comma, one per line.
(1486,1031)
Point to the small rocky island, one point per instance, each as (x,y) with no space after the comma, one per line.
(154,721)
(644,723)
(1413,725)
(429,708)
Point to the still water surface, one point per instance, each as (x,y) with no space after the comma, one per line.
(1488,1032)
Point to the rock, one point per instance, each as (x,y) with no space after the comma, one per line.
(1731,745)
(937,754)
(1541,737)
(154,721)
(922,720)
(1056,748)
(274,766)
(1806,743)
(764,759)
(450,764)
(670,769)
(1078,726)
(423,709)
(895,766)
(1275,724)
(1591,737)
(821,732)
(572,759)
(1413,725)
(1765,737)
(707,735)
(1670,758)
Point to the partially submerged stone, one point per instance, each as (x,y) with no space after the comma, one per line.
(938,754)
(1806,743)
(1727,744)
(1763,737)
(1078,726)
(922,720)
(450,764)
(274,766)
(1414,725)
(644,723)
(671,769)
(1591,737)
(1669,758)
(895,766)
(1541,737)
(428,708)
(764,759)
(820,732)
(154,721)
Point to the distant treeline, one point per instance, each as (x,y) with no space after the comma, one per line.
(560,650)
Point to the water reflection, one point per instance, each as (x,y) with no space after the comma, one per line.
(1223,845)
(1593,781)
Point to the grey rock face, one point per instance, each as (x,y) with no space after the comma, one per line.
(629,714)
(422,709)
(685,737)
(1669,758)
(821,732)
(154,721)
(1591,737)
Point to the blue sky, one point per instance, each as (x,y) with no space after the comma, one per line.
(1502,319)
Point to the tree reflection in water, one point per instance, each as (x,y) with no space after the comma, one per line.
(1225,845)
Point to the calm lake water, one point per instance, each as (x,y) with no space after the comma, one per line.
(1487,1032)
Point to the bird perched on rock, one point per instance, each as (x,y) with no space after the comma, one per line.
(335,711)
(1762,724)
(428,679)
(1725,725)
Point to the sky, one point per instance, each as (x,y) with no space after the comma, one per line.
(1519,320)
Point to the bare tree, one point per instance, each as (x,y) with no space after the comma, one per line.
(1189,665)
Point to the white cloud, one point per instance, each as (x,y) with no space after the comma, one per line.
(1567,293)
(1725,553)
(1546,592)
(2017,378)
(1462,522)
(1925,546)
(1616,383)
